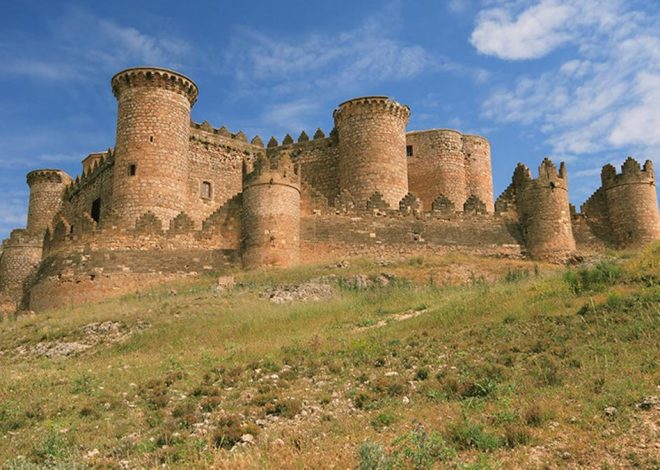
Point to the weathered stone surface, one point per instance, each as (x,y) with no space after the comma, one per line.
(176,198)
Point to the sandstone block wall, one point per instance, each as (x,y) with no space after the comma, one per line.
(372,149)
(446,163)
(46,191)
(545,214)
(152,165)
(20,257)
(632,203)
(478,169)
(271,214)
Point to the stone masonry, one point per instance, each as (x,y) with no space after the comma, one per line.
(177,198)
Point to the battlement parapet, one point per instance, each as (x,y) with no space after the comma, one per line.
(273,170)
(21,237)
(631,173)
(156,78)
(239,138)
(371,105)
(102,162)
(48,176)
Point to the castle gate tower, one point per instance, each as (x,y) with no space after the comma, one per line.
(372,148)
(545,211)
(46,191)
(271,213)
(151,153)
(632,203)
(479,173)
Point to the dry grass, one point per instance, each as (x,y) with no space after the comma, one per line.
(510,366)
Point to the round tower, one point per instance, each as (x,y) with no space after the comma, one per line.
(21,255)
(372,148)
(478,169)
(632,203)
(46,191)
(436,166)
(151,154)
(271,213)
(545,212)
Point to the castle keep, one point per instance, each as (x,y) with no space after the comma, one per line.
(176,198)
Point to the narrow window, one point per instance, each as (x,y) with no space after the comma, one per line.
(151,139)
(96,210)
(409,150)
(132,169)
(207,190)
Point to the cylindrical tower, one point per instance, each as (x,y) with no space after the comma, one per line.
(632,203)
(478,169)
(46,191)
(545,212)
(271,214)
(372,148)
(436,166)
(21,255)
(151,154)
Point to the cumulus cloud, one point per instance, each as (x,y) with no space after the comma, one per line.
(532,33)
(600,99)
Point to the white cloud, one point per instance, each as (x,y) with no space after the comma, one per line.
(532,33)
(604,99)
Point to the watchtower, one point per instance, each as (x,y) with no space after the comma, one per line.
(544,210)
(271,213)
(46,190)
(151,155)
(372,148)
(632,203)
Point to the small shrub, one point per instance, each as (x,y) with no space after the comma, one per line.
(466,435)
(515,436)
(595,278)
(422,374)
(516,275)
(365,400)
(383,420)
(534,415)
(82,384)
(372,456)
(548,371)
(420,449)
(209,404)
(392,385)
(287,408)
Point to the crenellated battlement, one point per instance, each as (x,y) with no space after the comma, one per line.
(273,169)
(174,196)
(155,77)
(371,105)
(631,173)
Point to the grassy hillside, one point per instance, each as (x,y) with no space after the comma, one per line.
(447,362)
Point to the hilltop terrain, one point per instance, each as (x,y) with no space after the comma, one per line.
(452,361)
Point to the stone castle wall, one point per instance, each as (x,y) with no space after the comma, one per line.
(46,190)
(151,154)
(271,214)
(21,255)
(175,198)
(372,149)
(447,164)
(632,203)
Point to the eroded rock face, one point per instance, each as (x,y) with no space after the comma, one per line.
(81,340)
(314,290)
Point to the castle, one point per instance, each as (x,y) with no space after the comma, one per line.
(177,198)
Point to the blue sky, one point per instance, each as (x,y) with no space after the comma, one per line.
(576,81)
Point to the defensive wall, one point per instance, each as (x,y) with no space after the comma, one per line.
(178,198)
